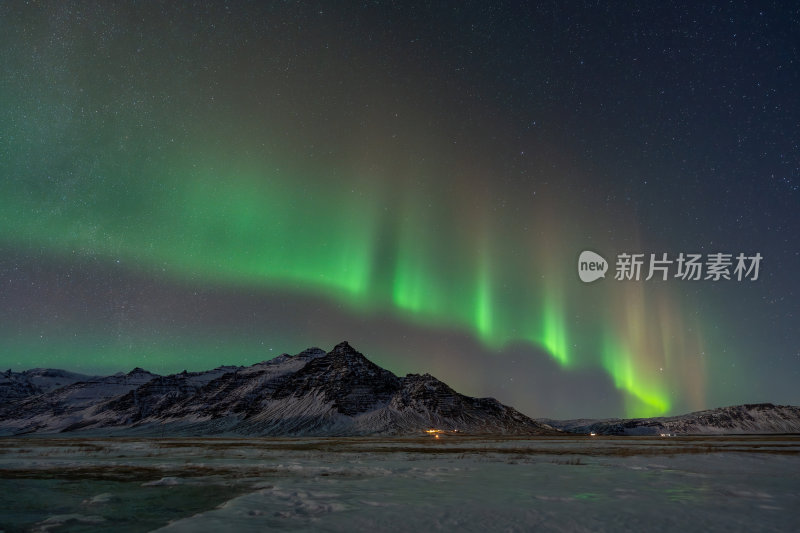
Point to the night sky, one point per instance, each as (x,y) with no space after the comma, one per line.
(191,185)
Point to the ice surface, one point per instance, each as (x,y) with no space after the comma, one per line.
(401,484)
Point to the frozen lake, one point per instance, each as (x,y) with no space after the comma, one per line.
(401,484)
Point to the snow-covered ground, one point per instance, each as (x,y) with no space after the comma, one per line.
(747,483)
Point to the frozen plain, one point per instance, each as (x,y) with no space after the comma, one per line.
(734,483)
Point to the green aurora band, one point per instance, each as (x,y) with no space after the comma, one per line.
(367,196)
(215,222)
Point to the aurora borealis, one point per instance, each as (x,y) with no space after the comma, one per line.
(193,185)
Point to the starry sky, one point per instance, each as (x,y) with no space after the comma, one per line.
(187,185)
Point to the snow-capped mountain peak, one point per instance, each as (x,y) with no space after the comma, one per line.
(314,392)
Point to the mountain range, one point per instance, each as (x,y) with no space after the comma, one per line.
(313,393)
(761,418)
(339,392)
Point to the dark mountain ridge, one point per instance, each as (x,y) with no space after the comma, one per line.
(762,418)
(340,392)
